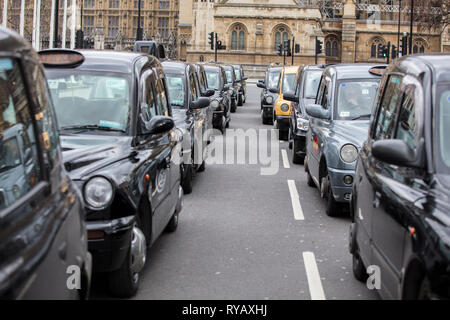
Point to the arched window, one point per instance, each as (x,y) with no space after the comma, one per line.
(375,48)
(331,46)
(335,50)
(328,48)
(281,34)
(238,38)
(419,46)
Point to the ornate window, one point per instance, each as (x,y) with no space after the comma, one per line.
(374,48)
(281,35)
(418,46)
(332,47)
(238,38)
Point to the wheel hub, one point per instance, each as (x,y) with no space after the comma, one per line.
(138,250)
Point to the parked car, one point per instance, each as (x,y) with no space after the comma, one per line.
(282,107)
(221,100)
(43,238)
(242,84)
(233,85)
(269,93)
(338,125)
(121,149)
(305,93)
(401,194)
(205,92)
(187,109)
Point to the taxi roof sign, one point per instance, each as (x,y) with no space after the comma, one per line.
(58,58)
(378,70)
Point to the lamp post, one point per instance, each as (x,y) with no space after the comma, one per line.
(411,27)
(139,30)
(399,20)
(55,30)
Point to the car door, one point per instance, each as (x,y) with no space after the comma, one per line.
(199,117)
(397,188)
(318,130)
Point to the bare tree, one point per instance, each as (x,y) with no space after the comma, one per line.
(432,15)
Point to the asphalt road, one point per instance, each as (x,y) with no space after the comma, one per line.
(240,236)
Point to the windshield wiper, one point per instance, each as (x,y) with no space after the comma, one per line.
(362,116)
(92,127)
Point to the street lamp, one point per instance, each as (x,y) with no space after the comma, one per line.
(139,29)
(411,27)
(399,19)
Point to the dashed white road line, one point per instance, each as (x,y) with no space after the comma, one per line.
(296,206)
(312,273)
(285,159)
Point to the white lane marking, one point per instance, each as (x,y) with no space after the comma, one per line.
(296,206)
(285,159)
(312,273)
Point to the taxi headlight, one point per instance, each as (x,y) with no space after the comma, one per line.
(16,191)
(269,99)
(284,107)
(98,192)
(215,104)
(302,124)
(349,153)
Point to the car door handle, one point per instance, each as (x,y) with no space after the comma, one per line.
(376,200)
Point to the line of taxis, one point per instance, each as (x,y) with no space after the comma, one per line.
(375,141)
(97,151)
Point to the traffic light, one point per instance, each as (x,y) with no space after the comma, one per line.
(220,46)
(211,40)
(79,39)
(297,48)
(287,48)
(404,45)
(319,47)
(382,51)
(394,52)
(280,49)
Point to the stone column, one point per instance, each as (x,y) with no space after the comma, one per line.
(259,43)
(348,32)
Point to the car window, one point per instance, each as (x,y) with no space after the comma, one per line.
(224,77)
(443,127)
(229,75)
(150,109)
(407,119)
(237,73)
(386,113)
(213,79)
(19,164)
(193,86)
(289,82)
(203,82)
(355,98)
(175,84)
(272,79)
(162,107)
(312,80)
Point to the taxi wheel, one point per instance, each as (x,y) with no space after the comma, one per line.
(233,106)
(264,119)
(240,102)
(173,223)
(187,179)
(326,191)
(202,167)
(359,271)
(309,180)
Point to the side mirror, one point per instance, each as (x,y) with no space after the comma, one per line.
(261,84)
(200,103)
(208,93)
(159,124)
(273,90)
(394,151)
(290,96)
(317,111)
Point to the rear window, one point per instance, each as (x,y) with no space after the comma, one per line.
(312,80)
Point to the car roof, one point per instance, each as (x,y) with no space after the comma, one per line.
(438,64)
(177,67)
(212,65)
(10,41)
(353,71)
(291,69)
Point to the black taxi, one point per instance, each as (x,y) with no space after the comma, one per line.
(187,107)
(401,194)
(121,149)
(43,238)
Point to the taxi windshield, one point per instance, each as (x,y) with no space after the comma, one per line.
(213,79)
(312,81)
(228,72)
(273,78)
(289,82)
(98,100)
(175,84)
(9,154)
(443,126)
(355,98)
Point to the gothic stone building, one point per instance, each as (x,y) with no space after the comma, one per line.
(351,30)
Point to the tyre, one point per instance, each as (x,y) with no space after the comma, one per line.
(124,282)
(264,119)
(202,167)
(359,271)
(173,223)
(233,106)
(240,101)
(227,125)
(309,180)
(297,159)
(327,192)
(187,179)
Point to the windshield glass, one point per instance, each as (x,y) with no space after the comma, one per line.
(273,78)
(176,89)
(444,127)
(213,79)
(289,82)
(312,81)
(87,98)
(237,73)
(229,74)
(9,154)
(355,98)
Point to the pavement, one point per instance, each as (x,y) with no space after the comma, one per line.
(242,235)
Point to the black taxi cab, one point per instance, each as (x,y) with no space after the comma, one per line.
(121,148)
(401,194)
(43,238)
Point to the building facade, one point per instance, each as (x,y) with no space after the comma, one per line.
(350,30)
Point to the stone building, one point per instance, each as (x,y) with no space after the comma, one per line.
(351,30)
